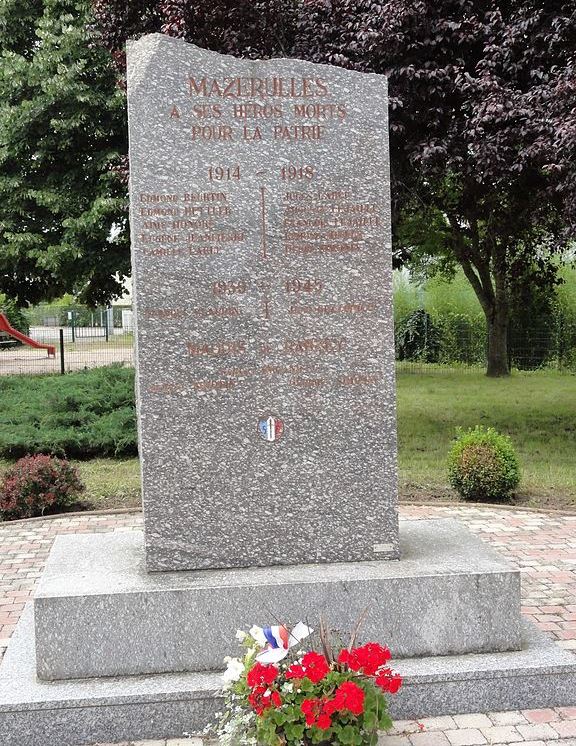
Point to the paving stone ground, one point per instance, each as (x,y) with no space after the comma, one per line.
(550,727)
(541,545)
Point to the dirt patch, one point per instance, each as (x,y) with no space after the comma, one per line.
(524,499)
(18,360)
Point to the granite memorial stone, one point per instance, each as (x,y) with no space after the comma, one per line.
(260,218)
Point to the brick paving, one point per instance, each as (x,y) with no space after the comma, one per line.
(541,545)
(557,728)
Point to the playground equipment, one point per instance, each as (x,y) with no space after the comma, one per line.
(6,327)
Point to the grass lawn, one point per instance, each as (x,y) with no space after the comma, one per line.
(111,483)
(538,411)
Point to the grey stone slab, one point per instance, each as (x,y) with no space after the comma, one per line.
(77,712)
(70,713)
(541,674)
(262,281)
(98,612)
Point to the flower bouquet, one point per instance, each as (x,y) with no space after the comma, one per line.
(278,695)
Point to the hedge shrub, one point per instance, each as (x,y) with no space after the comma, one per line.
(36,484)
(482,465)
(81,415)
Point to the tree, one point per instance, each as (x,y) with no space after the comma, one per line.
(63,223)
(483,127)
(259,29)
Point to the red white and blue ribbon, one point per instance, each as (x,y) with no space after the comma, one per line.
(280,640)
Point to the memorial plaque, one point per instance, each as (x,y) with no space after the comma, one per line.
(260,219)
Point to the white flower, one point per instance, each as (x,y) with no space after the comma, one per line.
(288,687)
(257,633)
(241,635)
(234,670)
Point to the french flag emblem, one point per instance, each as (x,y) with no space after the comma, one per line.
(270,428)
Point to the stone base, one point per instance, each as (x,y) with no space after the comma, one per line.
(99,613)
(75,712)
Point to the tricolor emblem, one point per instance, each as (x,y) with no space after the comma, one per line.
(270,428)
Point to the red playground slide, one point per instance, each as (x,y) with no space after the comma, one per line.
(5,327)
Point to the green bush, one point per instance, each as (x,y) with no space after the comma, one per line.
(36,484)
(462,339)
(418,338)
(542,323)
(482,465)
(81,415)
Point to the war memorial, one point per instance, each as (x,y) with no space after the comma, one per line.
(260,223)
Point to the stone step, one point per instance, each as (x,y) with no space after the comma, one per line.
(99,613)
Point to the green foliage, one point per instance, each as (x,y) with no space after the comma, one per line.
(90,413)
(36,484)
(462,339)
(438,320)
(418,338)
(533,325)
(482,464)
(407,295)
(62,135)
(444,295)
(564,309)
(537,409)
(542,328)
(57,314)
(312,700)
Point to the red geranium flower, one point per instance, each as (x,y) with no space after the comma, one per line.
(314,667)
(323,721)
(260,675)
(388,681)
(366,658)
(349,696)
(316,712)
(261,698)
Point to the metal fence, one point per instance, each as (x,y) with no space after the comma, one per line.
(459,342)
(536,353)
(82,338)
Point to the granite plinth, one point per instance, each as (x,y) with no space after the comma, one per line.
(262,266)
(130,708)
(99,613)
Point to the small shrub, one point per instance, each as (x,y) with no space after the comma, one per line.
(483,465)
(36,484)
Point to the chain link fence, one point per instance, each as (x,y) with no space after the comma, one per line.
(457,342)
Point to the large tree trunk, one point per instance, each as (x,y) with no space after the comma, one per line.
(485,266)
(497,328)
